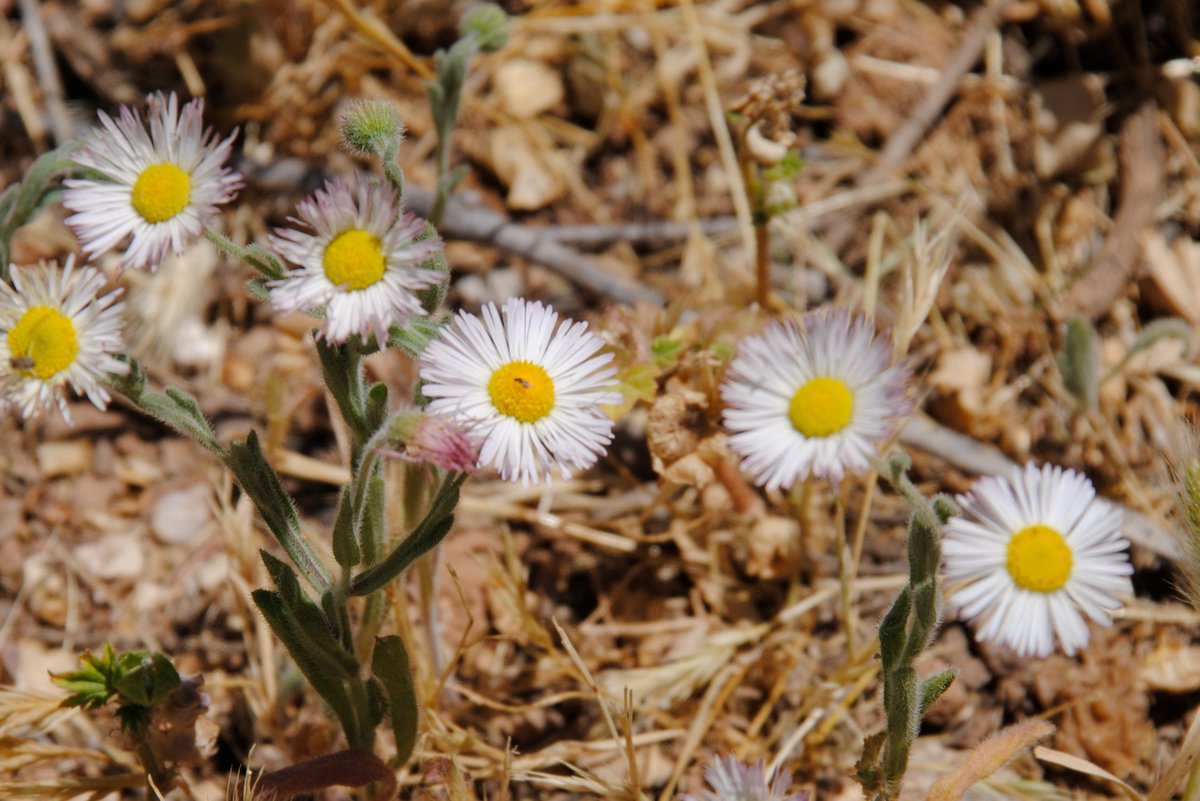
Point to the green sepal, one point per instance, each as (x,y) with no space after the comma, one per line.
(933,687)
(390,665)
(428,533)
(260,481)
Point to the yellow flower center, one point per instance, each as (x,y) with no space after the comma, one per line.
(522,390)
(43,342)
(161,192)
(821,407)
(1039,559)
(354,259)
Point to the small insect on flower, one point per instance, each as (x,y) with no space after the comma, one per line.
(528,388)
(55,330)
(734,780)
(812,399)
(1039,549)
(361,260)
(157,189)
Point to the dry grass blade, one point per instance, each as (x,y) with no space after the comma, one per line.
(1080,765)
(24,710)
(71,789)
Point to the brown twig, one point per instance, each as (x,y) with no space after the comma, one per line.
(476,223)
(967,454)
(1142,160)
(905,138)
(47,72)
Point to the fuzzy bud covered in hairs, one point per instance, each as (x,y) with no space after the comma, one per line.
(372,127)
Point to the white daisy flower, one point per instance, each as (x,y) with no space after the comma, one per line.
(812,399)
(158,189)
(55,330)
(1039,548)
(528,388)
(734,780)
(361,260)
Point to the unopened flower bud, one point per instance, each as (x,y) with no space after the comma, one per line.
(781,198)
(423,438)
(488,23)
(372,127)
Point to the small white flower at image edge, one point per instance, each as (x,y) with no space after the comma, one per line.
(1040,552)
(56,330)
(527,385)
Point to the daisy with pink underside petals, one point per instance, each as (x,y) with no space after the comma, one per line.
(812,398)
(158,190)
(56,330)
(528,388)
(1041,552)
(359,258)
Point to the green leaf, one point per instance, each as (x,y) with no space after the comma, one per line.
(1080,363)
(345,542)
(322,672)
(893,630)
(94,683)
(390,665)
(415,337)
(933,687)
(666,351)
(428,533)
(145,678)
(174,407)
(39,186)
(260,481)
(309,618)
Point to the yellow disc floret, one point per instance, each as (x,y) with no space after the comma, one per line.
(821,407)
(522,390)
(161,192)
(1039,559)
(43,342)
(354,260)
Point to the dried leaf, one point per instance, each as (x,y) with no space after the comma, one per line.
(987,758)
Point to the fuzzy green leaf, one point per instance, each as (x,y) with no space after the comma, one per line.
(390,666)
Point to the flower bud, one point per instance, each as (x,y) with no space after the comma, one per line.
(423,438)
(488,23)
(372,127)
